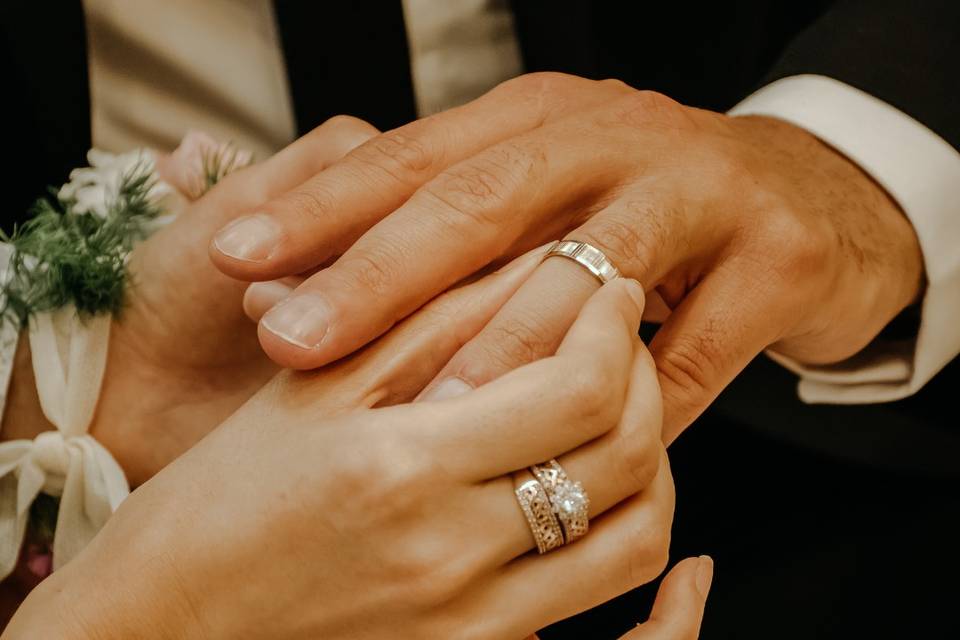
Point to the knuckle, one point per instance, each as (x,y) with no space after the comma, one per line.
(312,202)
(650,554)
(685,372)
(726,170)
(427,571)
(685,363)
(639,457)
(633,238)
(374,272)
(519,341)
(400,156)
(479,189)
(545,93)
(592,392)
(649,109)
(616,85)
(381,481)
(800,249)
(538,83)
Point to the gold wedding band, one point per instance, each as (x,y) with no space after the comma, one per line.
(538,511)
(587,256)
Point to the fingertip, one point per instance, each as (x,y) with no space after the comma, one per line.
(295,332)
(636,293)
(260,297)
(683,591)
(287,354)
(625,296)
(252,238)
(679,606)
(704,575)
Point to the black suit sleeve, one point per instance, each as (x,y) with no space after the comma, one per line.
(904,52)
(46,99)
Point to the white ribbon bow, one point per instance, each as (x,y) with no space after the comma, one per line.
(69,358)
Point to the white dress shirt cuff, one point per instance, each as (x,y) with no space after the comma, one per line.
(921,172)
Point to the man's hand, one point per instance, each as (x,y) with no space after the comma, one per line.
(754,233)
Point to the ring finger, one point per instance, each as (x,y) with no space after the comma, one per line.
(638,234)
(611,468)
(627,547)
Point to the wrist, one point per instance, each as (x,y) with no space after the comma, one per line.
(43,615)
(874,257)
(23,417)
(105,597)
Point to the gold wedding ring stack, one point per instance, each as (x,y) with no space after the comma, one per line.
(556,509)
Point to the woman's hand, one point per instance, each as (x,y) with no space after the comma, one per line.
(316,511)
(182,355)
(751,229)
(678,609)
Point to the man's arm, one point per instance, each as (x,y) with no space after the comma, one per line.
(892,110)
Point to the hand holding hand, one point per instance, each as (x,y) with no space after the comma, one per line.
(310,514)
(755,233)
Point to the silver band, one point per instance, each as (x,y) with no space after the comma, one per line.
(588,256)
(538,511)
(568,499)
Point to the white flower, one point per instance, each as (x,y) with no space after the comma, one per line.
(95,189)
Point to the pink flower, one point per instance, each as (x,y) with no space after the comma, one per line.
(198,163)
(39,561)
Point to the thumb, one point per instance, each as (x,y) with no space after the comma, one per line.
(176,257)
(678,609)
(720,326)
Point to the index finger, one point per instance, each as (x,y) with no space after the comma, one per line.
(323,216)
(548,407)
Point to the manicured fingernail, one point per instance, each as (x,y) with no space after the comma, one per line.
(447,388)
(302,320)
(704,575)
(252,238)
(260,297)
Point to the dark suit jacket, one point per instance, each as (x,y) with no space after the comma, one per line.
(344,57)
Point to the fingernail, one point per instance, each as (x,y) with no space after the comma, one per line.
(704,575)
(271,292)
(636,293)
(252,238)
(260,297)
(447,388)
(302,320)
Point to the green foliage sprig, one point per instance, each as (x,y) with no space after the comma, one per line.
(62,257)
(219,164)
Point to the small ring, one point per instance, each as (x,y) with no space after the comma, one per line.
(568,499)
(536,507)
(587,256)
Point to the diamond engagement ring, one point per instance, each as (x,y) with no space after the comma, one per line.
(568,499)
